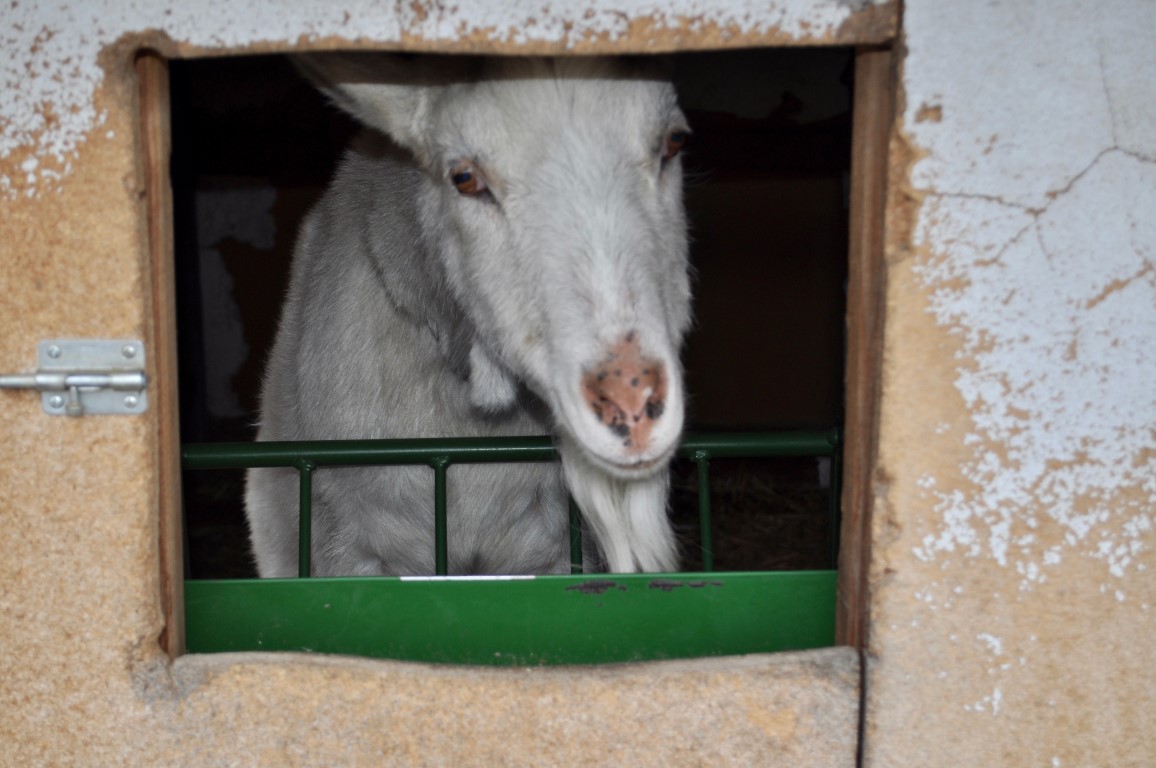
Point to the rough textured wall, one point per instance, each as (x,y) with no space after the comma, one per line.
(84,681)
(60,51)
(1013,594)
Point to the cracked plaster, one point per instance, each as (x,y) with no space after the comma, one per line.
(50,72)
(1019,127)
(1014,579)
(1055,313)
(1044,243)
(1039,194)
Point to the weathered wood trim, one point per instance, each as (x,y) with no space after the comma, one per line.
(156,146)
(871,125)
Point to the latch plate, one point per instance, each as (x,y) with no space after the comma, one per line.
(79,377)
(98,356)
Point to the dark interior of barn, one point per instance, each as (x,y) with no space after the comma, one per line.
(767,185)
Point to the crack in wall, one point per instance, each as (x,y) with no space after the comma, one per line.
(1050,194)
(1107,94)
(1054,331)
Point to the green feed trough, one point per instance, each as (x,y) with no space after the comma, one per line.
(576,619)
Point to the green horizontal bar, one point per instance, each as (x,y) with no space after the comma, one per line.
(510,622)
(365,452)
(761,444)
(481,450)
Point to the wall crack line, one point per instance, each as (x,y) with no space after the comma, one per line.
(977,196)
(1107,94)
(1054,194)
(1051,194)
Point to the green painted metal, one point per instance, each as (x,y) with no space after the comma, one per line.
(305,520)
(510,621)
(348,453)
(441,563)
(719,445)
(351,453)
(440,453)
(543,620)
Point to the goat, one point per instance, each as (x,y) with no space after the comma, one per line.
(511,261)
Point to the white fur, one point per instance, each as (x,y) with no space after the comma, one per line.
(414,310)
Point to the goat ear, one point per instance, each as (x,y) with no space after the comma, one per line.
(492,388)
(390,92)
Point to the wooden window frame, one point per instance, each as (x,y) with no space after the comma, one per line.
(872,118)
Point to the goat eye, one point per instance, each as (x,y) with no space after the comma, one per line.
(674,143)
(467,180)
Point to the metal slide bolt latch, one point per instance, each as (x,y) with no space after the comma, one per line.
(79,377)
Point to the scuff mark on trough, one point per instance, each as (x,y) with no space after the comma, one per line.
(596,587)
(667,585)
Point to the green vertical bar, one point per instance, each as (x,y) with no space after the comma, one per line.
(575,536)
(702,461)
(440,463)
(305,520)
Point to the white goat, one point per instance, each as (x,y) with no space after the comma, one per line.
(514,262)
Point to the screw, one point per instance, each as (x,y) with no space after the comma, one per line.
(56,401)
(54,351)
(131,401)
(128,351)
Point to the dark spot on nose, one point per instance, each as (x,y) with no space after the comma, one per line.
(620,429)
(634,382)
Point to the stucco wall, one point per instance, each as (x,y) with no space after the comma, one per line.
(1013,595)
(1010,594)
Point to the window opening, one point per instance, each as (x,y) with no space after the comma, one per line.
(254,146)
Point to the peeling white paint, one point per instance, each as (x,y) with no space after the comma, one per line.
(991,703)
(49,73)
(993,643)
(1040,218)
(993,648)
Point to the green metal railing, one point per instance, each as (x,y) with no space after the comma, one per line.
(440,454)
(510,620)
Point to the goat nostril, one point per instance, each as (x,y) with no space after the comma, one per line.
(654,409)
